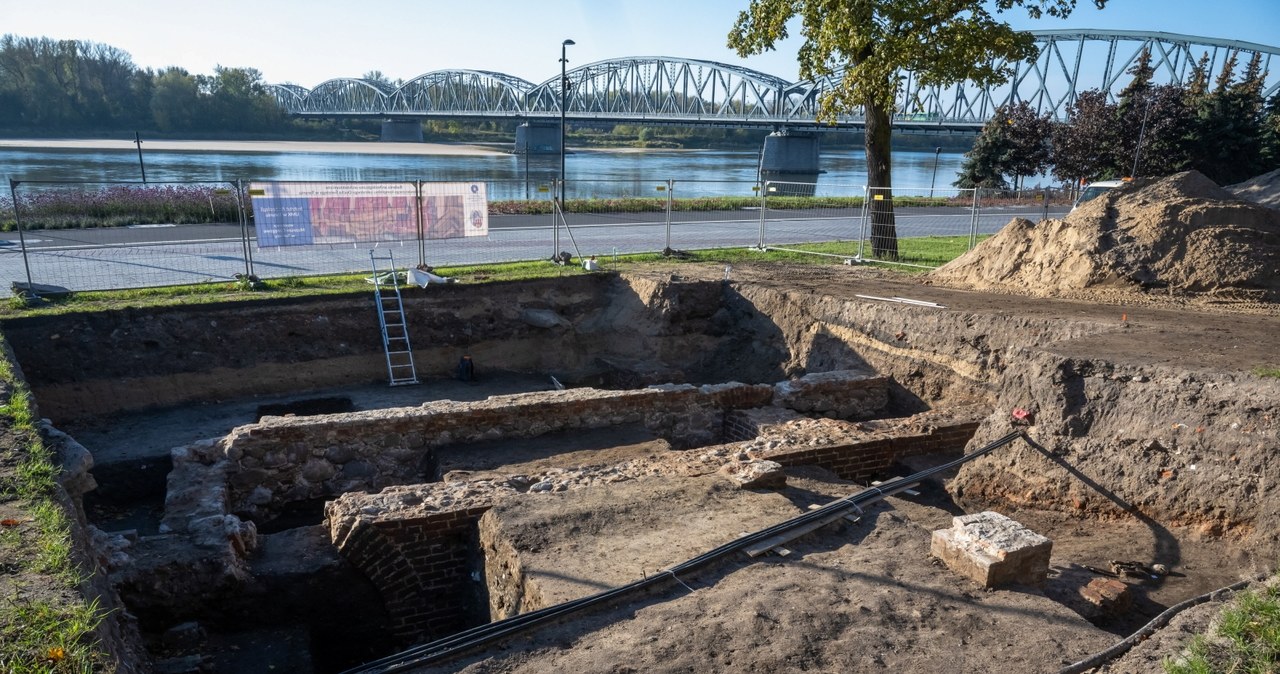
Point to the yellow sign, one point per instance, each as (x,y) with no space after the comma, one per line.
(543,188)
(222,191)
(662,188)
(877,197)
(258,193)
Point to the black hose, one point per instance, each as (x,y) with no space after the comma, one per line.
(424,654)
(1123,646)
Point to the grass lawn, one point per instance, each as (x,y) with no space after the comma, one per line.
(925,251)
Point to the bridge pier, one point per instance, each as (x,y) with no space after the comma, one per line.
(401,131)
(790,157)
(538,138)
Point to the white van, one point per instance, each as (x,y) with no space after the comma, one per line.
(1095,190)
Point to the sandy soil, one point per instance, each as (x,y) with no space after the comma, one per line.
(1181,235)
(256,146)
(857,597)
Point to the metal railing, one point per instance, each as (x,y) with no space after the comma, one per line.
(102,236)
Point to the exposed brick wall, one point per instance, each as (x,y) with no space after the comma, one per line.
(422,567)
(876,447)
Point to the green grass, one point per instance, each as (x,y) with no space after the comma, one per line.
(39,634)
(50,639)
(928,251)
(1247,639)
(1263,371)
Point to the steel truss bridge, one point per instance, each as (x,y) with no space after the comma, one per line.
(666,90)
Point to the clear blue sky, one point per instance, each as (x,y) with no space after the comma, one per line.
(307,42)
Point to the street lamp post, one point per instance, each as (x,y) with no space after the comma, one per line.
(564,86)
(937,152)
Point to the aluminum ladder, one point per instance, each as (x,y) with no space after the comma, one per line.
(395,331)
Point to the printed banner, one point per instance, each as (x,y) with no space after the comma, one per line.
(304,214)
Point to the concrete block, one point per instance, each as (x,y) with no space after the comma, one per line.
(993,550)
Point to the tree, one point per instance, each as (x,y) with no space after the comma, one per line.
(1081,145)
(1271,132)
(1132,112)
(942,42)
(1229,124)
(1030,135)
(1165,131)
(1014,142)
(175,100)
(981,168)
(1153,123)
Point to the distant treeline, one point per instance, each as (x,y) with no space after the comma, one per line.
(71,88)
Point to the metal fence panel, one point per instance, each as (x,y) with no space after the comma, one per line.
(181,233)
(157,234)
(795,219)
(709,214)
(619,217)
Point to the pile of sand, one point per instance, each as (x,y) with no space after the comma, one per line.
(1263,189)
(1182,235)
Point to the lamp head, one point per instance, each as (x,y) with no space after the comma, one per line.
(568,42)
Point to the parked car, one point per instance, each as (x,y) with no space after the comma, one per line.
(1095,190)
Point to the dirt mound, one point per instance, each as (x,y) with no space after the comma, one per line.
(1182,234)
(1263,189)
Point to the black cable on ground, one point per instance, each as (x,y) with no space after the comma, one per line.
(426,654)
(1123,646)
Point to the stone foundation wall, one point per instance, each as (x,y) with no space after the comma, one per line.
(286,459)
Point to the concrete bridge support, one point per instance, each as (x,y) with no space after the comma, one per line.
(401,131)
(538,138)
(792,158)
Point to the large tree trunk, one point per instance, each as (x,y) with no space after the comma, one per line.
(884,232)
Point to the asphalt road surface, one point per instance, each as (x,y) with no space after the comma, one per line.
(155,255)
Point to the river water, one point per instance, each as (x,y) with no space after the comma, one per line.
(591,173)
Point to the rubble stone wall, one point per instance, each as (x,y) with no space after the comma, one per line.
(286,459)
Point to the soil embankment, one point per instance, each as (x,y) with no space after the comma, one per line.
(1182,235)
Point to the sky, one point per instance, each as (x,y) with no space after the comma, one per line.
(309,42)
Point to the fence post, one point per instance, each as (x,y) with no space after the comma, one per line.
(556,214)
(764,198)
(671,186)
(246,248)
(417,211)
(973,221)
(22,239)
(862,225)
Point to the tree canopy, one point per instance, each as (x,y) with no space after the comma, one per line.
(68,85)
(863,44)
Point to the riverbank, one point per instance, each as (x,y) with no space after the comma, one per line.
(256,146)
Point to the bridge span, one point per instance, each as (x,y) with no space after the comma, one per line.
(660,90)
(669,90)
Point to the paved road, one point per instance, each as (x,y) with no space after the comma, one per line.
(159,255)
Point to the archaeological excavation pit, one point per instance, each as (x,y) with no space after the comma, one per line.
(261,499)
